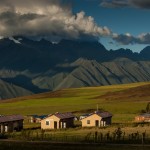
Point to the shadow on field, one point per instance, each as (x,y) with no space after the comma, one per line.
(15,145)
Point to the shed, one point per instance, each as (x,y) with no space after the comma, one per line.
(36,118)
(58,121)
(97,119)
(11,123)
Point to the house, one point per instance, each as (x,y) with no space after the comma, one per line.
(36,118)
(11,123)
(97,119)
(143,118)
(58,121)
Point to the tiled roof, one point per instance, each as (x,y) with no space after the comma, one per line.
(104,114)
(10,118)
(64,115)
(101,114)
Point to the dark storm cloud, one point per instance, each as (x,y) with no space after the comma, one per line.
(51,19)
(114,3)
(143,4)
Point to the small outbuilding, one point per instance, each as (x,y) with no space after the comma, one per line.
(36,118)
(11,123)
(97,119)
(143,117)
(58,121)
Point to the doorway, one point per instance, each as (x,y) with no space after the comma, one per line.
(96,123)
(55,124)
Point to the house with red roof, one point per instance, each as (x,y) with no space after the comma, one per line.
(58,121)
(97,119)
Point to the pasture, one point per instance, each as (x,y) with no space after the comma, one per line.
(80,101)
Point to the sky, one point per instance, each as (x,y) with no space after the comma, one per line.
(114,23)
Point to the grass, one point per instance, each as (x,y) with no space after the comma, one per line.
(79,100)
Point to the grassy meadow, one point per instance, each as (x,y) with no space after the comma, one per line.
(80,101)
(123,101)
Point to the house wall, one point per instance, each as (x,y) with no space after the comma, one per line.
(107,120)
(142,119)
(69,123)
(11,126)
(51,120)
(92,120)
(95,120)
(139,118)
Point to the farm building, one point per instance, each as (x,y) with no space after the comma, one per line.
(36,118)
(97,119)
(143,117)
(11,123)
(58,121)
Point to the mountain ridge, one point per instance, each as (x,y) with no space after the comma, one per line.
(41,66)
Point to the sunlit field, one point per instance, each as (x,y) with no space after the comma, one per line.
(80,101)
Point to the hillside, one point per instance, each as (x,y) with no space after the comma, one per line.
(42,66)
(8,90)
(137,94)
(82,100)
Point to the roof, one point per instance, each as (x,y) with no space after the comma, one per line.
(39,116)
(66,115)
(101,114)
(10,118)
(85,115)
(146,115)
(104,114)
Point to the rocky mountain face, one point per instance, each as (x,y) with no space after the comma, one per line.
(28,66)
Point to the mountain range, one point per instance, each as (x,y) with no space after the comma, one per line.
(28,66)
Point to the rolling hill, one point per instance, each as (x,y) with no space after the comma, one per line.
(122,104)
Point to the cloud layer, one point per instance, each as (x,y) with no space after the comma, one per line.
(46,18)
(54,20)
(126,39)
(143,4)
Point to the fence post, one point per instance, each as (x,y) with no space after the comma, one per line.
(96,133)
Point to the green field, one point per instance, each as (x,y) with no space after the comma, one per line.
(80,101)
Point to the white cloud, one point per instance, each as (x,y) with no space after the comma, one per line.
(46,18)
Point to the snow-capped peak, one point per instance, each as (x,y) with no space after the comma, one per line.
(17,41)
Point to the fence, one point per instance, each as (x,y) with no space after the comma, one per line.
(117,136)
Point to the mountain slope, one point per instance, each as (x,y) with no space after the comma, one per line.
(41,66)
(92,73)
(9,90)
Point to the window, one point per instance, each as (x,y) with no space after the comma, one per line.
(88,121)
(64,124)
(47,123)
